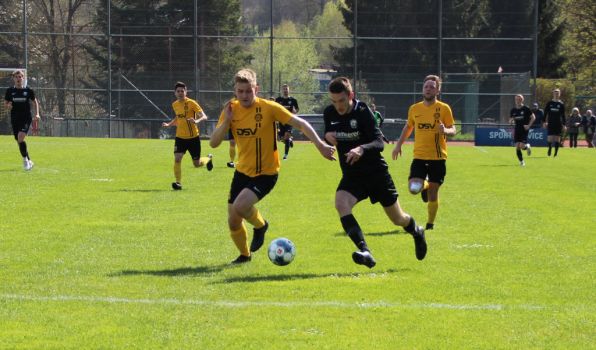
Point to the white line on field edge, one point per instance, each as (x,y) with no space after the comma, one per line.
(289,304)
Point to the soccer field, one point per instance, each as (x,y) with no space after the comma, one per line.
(97,251)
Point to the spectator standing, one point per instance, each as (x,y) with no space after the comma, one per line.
(573,124)
(589,124)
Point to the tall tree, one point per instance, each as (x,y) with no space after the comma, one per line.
(164,52)
(551,28)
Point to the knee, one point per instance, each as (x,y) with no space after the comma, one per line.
(415,187)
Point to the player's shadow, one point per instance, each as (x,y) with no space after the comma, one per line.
(140,190)
(375,234)
(181,271)
(298,276)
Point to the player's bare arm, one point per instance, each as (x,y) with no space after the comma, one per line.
(405,133)
(36,107)
(222,130)
(201,117)
(447,130)
(326,150)
(532,119)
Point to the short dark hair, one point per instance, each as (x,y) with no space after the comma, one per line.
(180,84)
(339,85)
(434,78)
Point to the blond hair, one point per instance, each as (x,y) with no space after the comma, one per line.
(434,78)
(246,75)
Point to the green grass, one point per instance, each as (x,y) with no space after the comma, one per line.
(96,251)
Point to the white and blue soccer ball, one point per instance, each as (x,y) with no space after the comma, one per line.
(281,251)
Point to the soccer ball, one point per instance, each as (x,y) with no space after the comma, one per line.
(281,251)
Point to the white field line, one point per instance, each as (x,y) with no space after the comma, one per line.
(481,149)
(289,304)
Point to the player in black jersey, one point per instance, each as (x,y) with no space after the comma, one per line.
(18,100)
(554,121)
(350,126)
(523,118)
(285,131)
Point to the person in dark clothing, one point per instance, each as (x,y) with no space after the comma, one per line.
(19,99)
(350,126)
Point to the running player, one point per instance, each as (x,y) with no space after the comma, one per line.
(523,118)
(188,114)
(554,121)
(433,121)
(350,126)
(19,99)
(285,130)
(252,121)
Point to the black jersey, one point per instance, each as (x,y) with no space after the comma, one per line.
(20,99)
(554,114)
(288,102)
(355,129)
(521,116)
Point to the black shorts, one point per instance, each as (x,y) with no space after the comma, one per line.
(261,185)
(20,125)
(520,135)
(554,130)
(379,187)
(193,146)
(230,135)
(283,128)
(434,169)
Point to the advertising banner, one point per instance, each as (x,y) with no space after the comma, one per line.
(504,137)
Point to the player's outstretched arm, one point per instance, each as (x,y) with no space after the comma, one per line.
(405,133)
(221,131)
(326,150)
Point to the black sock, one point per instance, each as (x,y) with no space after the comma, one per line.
(411,227)
(23,149)
(519,155)
(353,230)
(550,147)
(557,148)
(287,147)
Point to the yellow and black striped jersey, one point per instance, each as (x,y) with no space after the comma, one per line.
(184,110)
(429,144)
(255,134)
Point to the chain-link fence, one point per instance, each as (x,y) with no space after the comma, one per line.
(106,68)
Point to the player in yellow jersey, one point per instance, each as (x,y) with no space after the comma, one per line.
(188,114)
(252,122)
(433,122)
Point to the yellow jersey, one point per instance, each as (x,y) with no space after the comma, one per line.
(184,110)
(255,134)
(429,144)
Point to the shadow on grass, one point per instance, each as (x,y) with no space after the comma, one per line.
(303,276)
(182,271)
(377,234)
(141,190)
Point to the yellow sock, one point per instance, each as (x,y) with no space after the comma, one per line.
(232,153)
(203,160)
(433,207)
(178,171)
(425,186)
(240,238)
(256,219)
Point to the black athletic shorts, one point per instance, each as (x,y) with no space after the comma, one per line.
(379,187)
(434,169)
(230,135)
(520,135)
(283,128)
(554,130)
(193,146)
(261,185)
(20,125)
